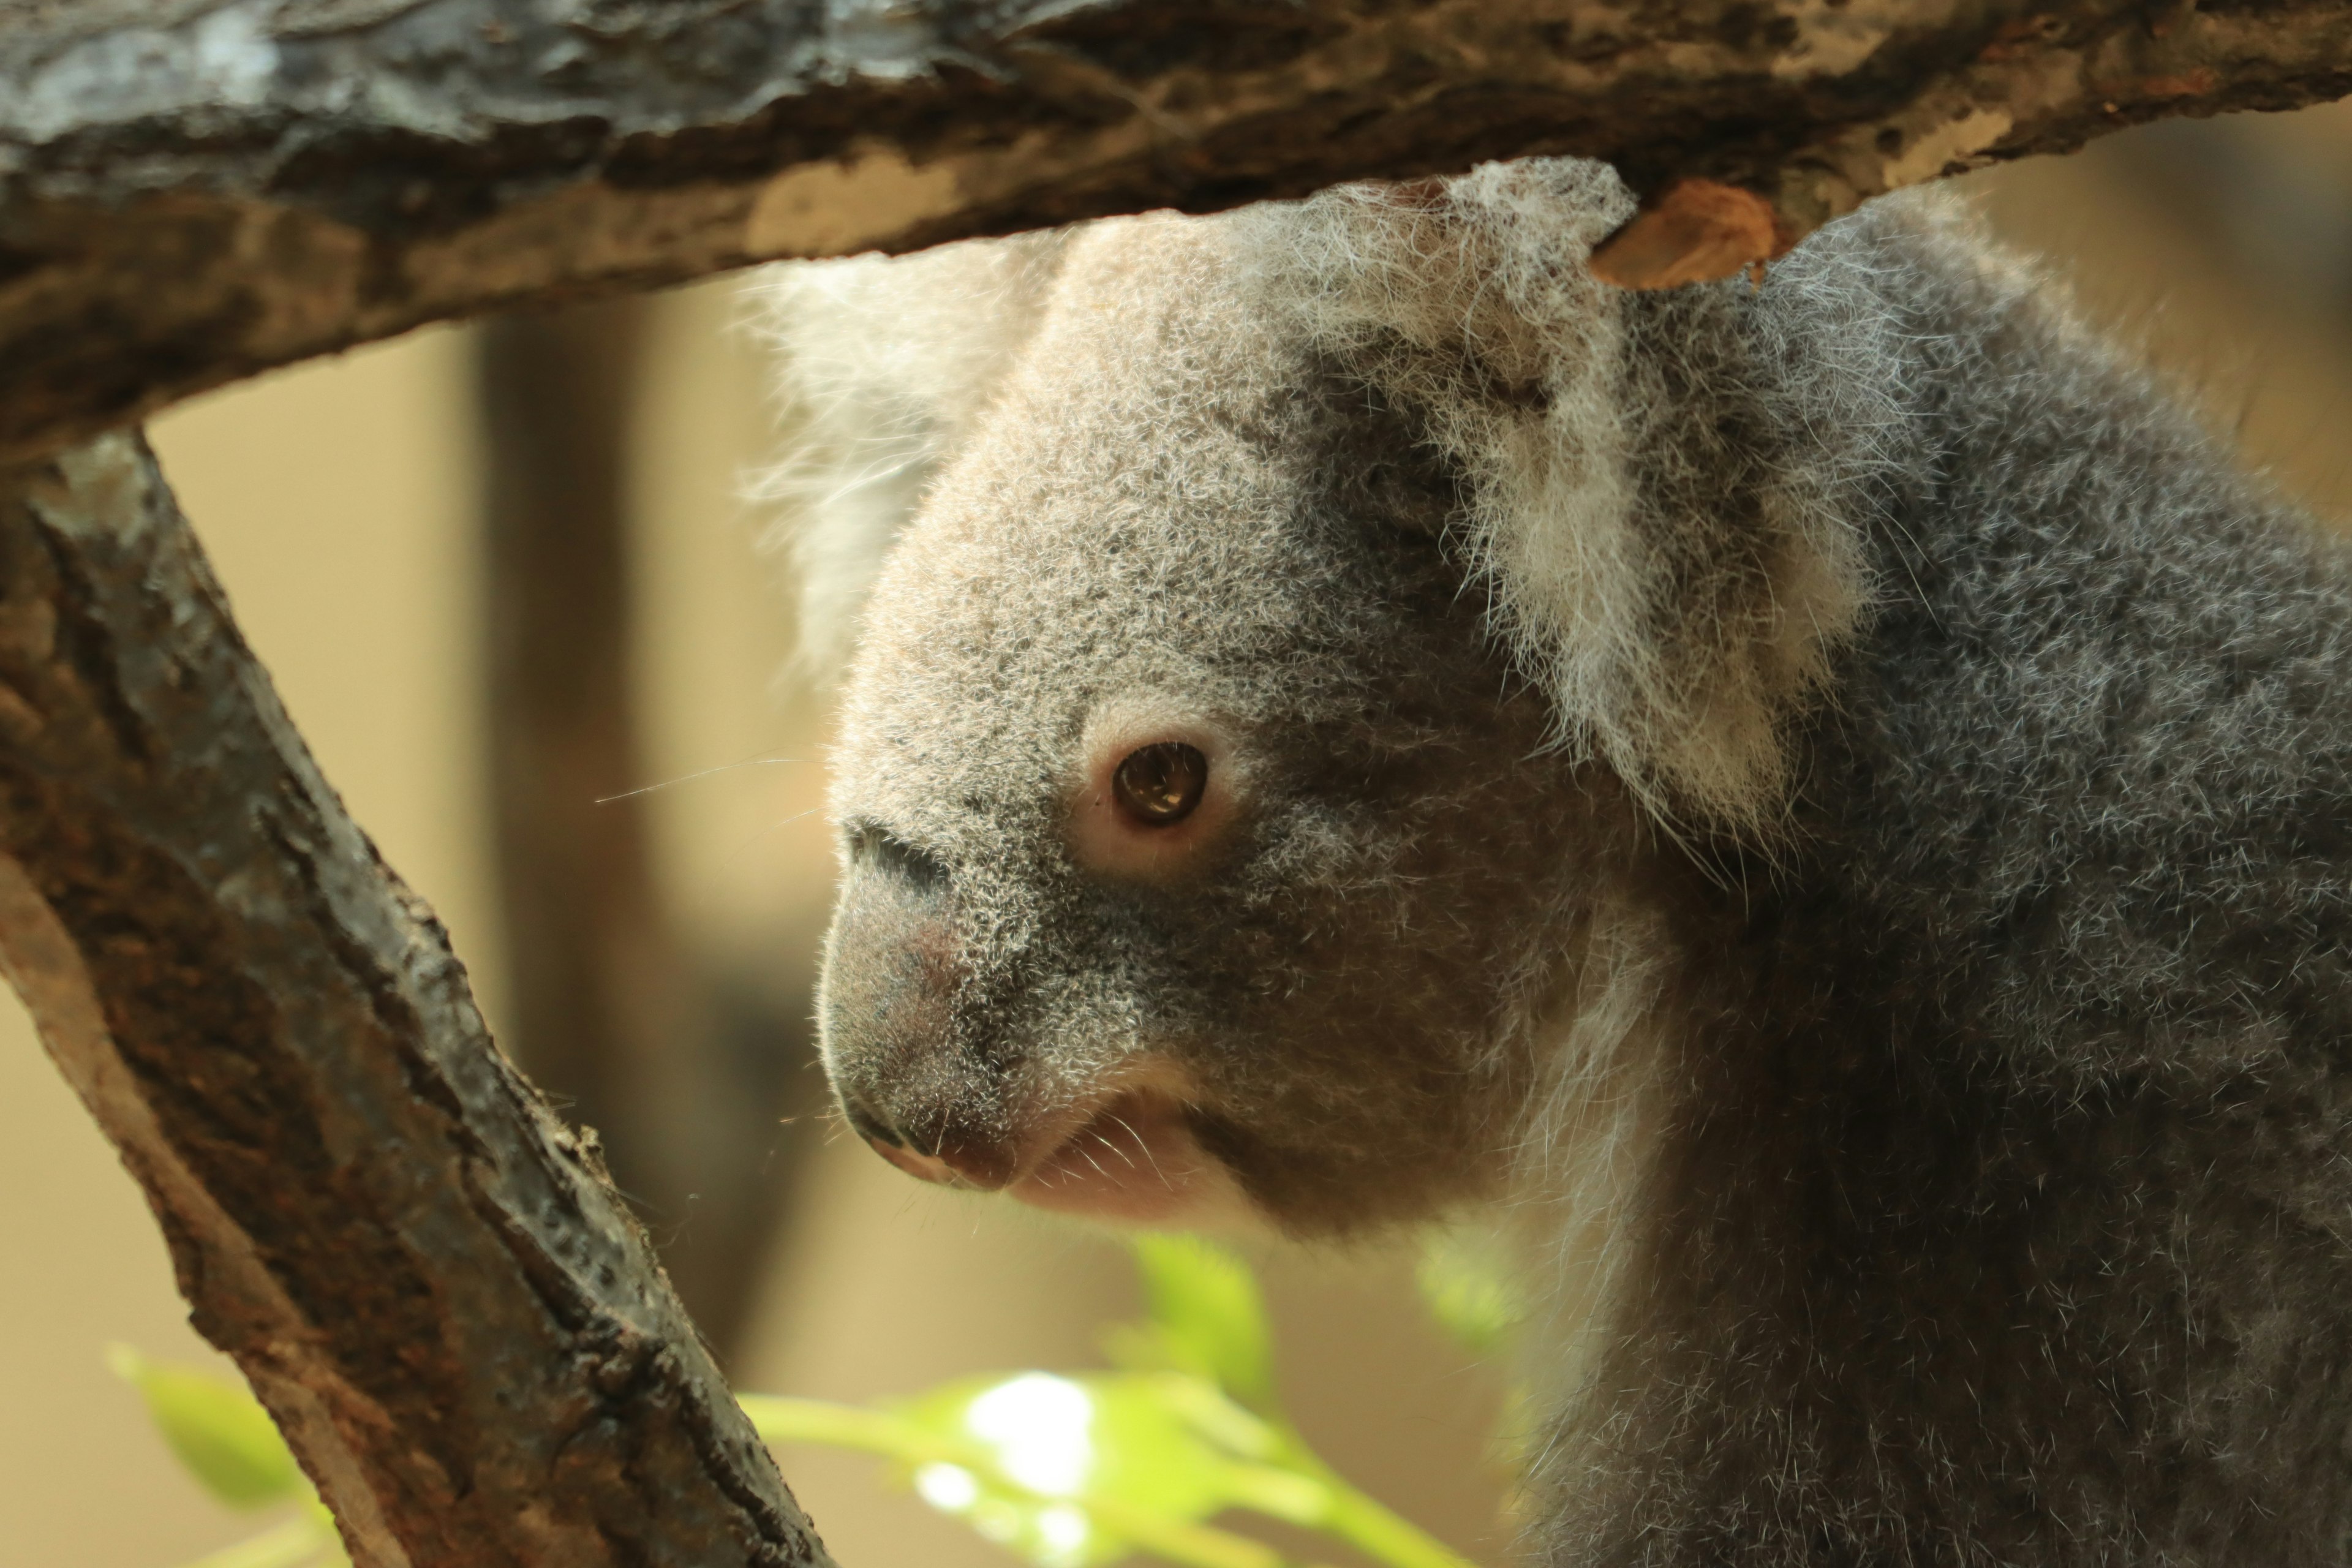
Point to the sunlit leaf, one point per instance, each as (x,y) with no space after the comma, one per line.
(1071,1445)
(1207,1318)
(1465,1279)
(216,1427)
(1076,1471)
(1150,1455)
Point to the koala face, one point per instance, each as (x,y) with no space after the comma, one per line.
(1201,849)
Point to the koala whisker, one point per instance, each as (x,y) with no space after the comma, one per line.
(751,762)
(1129,1154)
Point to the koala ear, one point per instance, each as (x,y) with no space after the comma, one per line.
(884,363)
(1656,552)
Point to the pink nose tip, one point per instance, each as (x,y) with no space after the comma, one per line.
(981,1167)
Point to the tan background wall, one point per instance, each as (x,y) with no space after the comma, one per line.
(335,501)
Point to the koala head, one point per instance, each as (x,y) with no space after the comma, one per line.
(1209,842)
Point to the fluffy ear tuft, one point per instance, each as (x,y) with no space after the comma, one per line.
(883,365)
(1676,589)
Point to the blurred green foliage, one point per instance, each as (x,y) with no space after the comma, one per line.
(1066,1470)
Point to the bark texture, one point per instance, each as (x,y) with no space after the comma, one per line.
(427,1278)
(195,189)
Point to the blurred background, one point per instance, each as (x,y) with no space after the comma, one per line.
(508,584)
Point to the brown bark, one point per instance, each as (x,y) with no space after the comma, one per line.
(195,190)
(427,1278)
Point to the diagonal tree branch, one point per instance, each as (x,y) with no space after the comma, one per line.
(427,1278)
(195,189)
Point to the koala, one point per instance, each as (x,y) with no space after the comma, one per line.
(1823,805)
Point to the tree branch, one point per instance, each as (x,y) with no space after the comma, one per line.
(427,1278)
(195,189)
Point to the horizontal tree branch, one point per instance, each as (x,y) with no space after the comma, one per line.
(427,1278)
(195,189)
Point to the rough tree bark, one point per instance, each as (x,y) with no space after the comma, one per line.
(425,1275)
(195,190)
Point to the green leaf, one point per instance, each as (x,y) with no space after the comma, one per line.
(1141,1451)
(1065,1442)
(217,1429)
(1207,1318)
(1465,1279)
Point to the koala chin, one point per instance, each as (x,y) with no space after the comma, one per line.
(1825,806)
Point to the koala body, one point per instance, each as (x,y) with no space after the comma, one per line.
(1828,804)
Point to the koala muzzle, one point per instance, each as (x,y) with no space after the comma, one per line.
(924,1097)
(930,1086)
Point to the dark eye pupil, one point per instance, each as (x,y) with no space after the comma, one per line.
(1162,784)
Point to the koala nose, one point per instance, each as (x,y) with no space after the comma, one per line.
(982,1165)
(949,1156)
(886,853)
(921,1096)
(892,963)
(869,1126)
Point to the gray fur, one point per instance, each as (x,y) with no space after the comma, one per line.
(1833,801)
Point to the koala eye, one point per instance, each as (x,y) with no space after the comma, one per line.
(1160,785)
